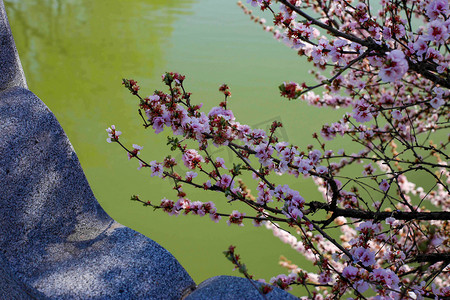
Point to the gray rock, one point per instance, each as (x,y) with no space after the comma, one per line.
(53,233)
(11,288)
(230,287)
(11,72)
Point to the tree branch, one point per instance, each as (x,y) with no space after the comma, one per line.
(370,215)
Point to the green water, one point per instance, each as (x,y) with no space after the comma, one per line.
(75,54)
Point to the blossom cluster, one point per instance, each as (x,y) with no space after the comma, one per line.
(113,134)
(360,267)
(390,68)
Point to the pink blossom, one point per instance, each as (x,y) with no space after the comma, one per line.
(225,182)
(420,46)
(386,98)
(396,114)
(183,204)
(393,255)
(221,112)
(363,255)
(255,3)
(191,158)
(293,43)
(282,167)
(281,146)
(322,170)
(437,8)
(207,184)
(113,134)
(264,195)
(394,67)
(294,199)
(168,206)
(384,185)
(294,213)
(197,208)
(190,175)
(264,153)
(368,227)
(442,67)
(200,126)
(257,135)
(440,291)
(156,169)
(437,102)
(215,217)
(362,111)
(257,222)
(366,134)
(325,277)
(319,56)
(434,55)
(350,273)
(368,170)
(136,150)
(220,163)
(153,97)
(236,218)
(387,33)
(305,166)
(361,285)
(158,124)
(209,207)
(439,91)
(315,155)
(282,281)
(389,278)
(288,153)
(290,90)
(367,258)
(437,32)
(279,191)
(339,128)
(390,221)
(142,165)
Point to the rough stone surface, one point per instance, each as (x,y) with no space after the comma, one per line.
(11,72)
(11,288)
(53,233)
(230,287)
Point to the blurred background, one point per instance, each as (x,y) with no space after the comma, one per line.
(75,54)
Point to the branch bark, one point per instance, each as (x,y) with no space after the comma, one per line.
(370,215)
(432,257)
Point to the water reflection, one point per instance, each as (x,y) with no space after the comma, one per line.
(73,52)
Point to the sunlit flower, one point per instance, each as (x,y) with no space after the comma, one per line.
(394,67)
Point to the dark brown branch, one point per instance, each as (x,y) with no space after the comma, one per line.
(332,30)
(432,257)
(370,215)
